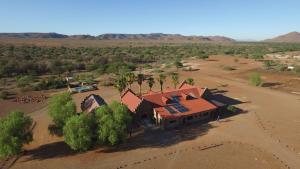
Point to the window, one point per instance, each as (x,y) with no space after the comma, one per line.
(206,114)
(190,118)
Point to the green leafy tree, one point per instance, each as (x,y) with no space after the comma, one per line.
(161,80)
(255,79)
(150,82)
(61,107)
(78,132)
(130,78)
(15,131)
(175,79)
(120,84)
(140,79)
(190,81)
(113,123)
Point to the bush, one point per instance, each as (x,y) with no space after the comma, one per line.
(51,83)
(268,64)
(78,132)
(232,109)
(15,131)
(178,64)
(229,68)
(280,67)
(3,94)
(60,108)
(113,121)
(24,81)
(255,79)
(297,70)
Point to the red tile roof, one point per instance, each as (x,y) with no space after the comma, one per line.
(158,97)
(131,100)
(193,106)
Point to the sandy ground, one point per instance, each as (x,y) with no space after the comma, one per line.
(265,136)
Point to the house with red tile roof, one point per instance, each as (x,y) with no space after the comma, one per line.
(173,107)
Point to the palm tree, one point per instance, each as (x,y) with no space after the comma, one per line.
(175,79)
(150,82)
(161,79)
(140,79)
(190,81)
(120,84)
(130,77)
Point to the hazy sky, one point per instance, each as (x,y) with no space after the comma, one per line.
(240,19)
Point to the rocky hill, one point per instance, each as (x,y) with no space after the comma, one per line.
(112,36)
(292,37)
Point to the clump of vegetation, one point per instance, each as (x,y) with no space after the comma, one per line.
(113,123)
(297,70)
(175,79)
(231,109)
(229,68)
(24,81)
(78,132)
(280,67)
(255,79)
(178,64)
(37,60)
(15,131)
(161,80)
(268,64)
(190,81)
(4,94)
(51,83)
(61,107)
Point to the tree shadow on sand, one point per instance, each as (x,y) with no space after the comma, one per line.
(47,151)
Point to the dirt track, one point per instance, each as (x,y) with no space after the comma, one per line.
(267,136)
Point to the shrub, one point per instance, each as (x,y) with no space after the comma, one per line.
(255,79)
(280,67)
(268,64)
(51,83)
(190,81)
(297,70)
(24,81)
(229,68)
(78,132)
(178,64)
(15,131)
(232,109)
(3,94)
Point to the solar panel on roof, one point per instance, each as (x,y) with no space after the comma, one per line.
(180,108)
(170,110)
(175,98)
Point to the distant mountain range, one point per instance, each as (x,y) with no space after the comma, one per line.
(292,37)
(112,36)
